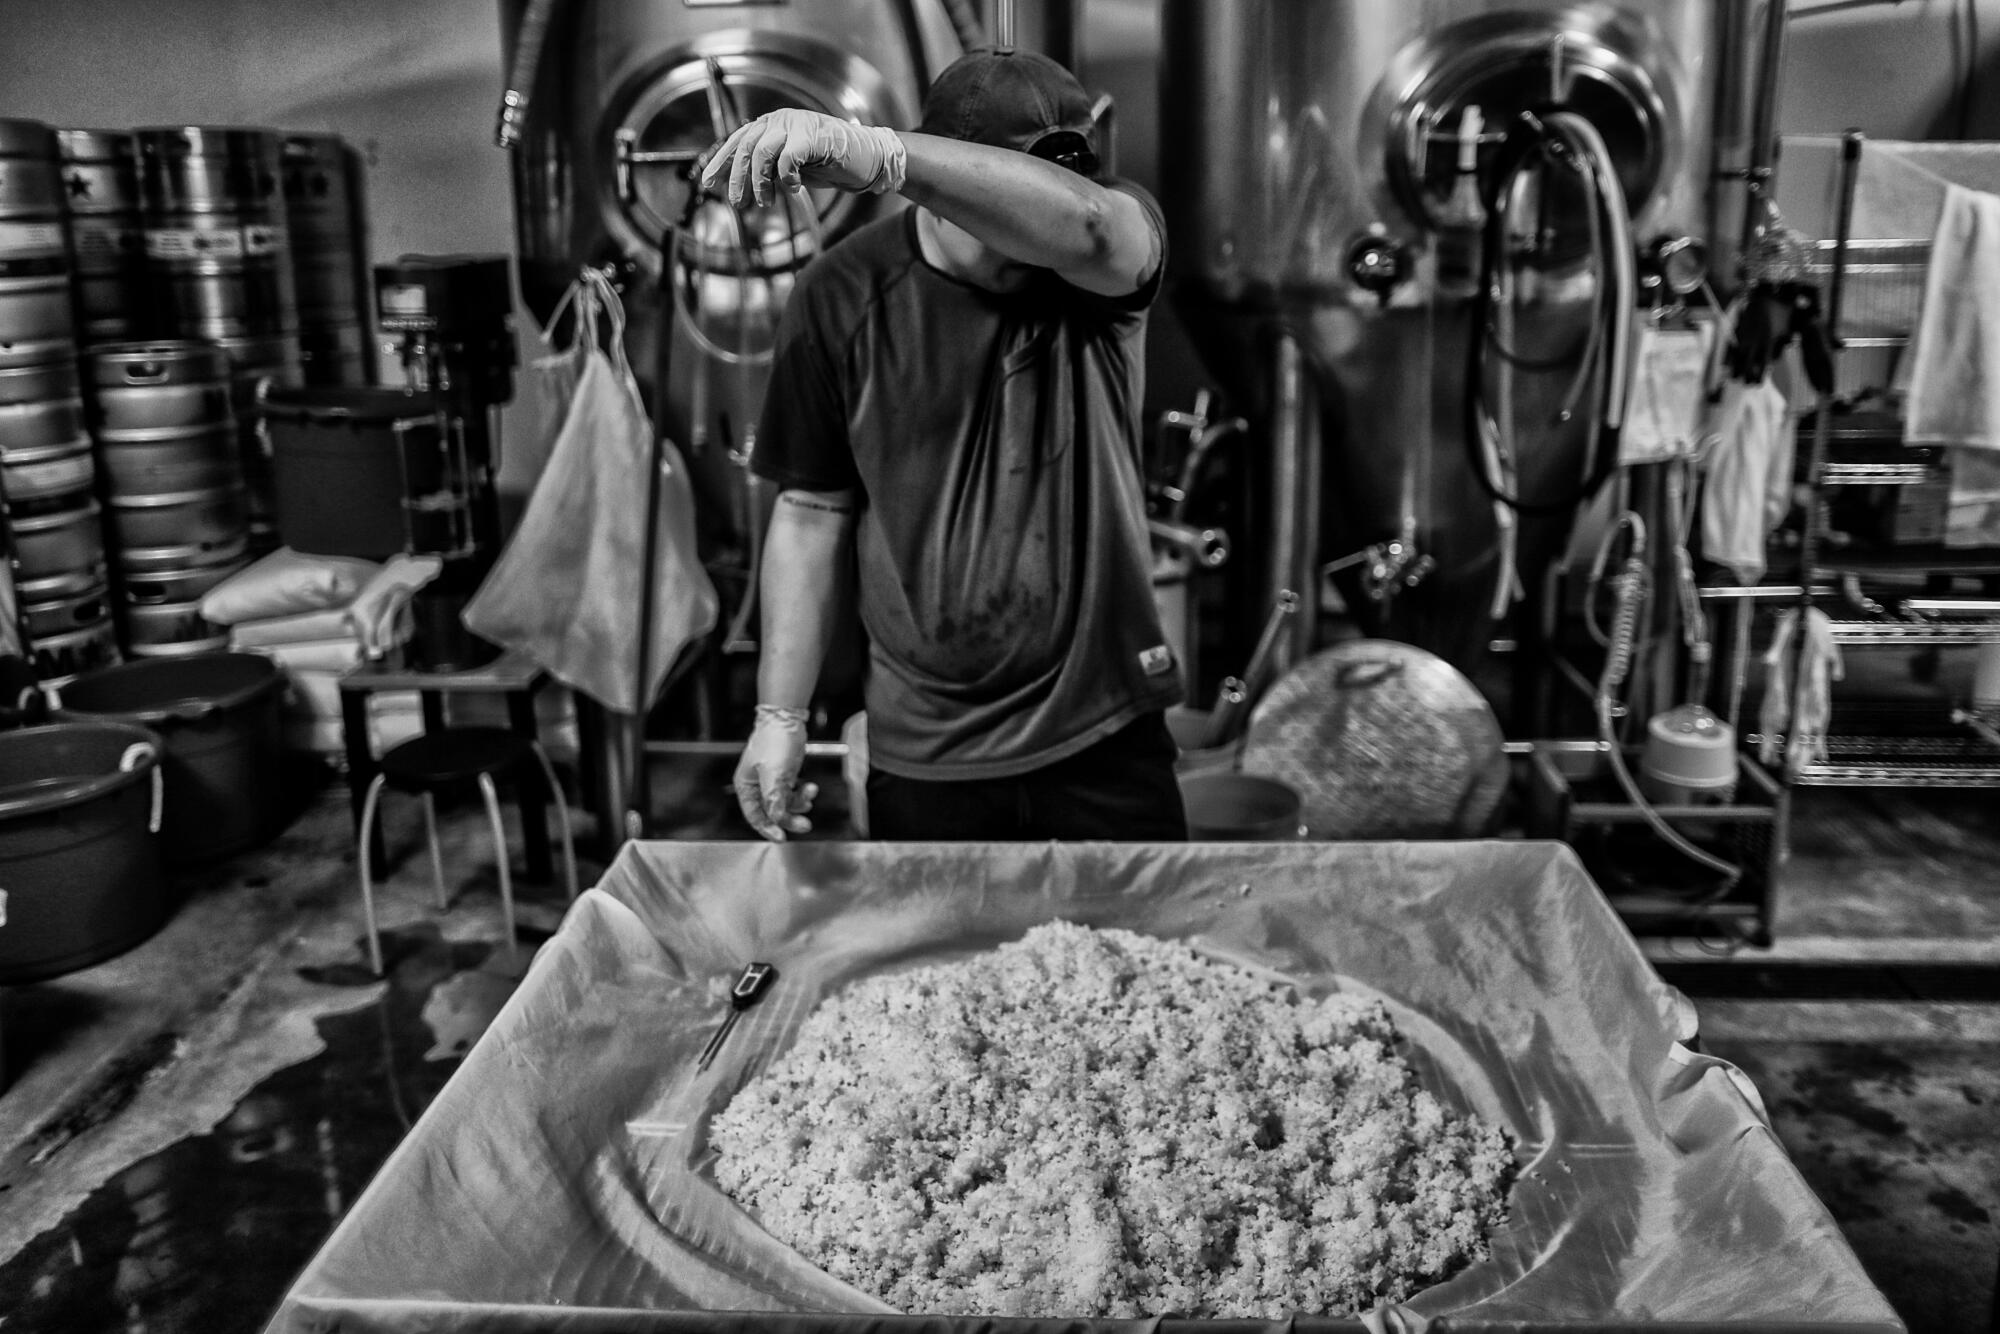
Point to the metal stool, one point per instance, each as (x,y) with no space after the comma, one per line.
(426,764)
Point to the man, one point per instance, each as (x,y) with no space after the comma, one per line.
(954,415)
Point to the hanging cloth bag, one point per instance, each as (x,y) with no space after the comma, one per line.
(567,590)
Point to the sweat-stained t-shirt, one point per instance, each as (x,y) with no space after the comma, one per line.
(1004,561)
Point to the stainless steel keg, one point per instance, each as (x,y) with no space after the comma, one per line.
(100,171)
(37,324)
(217,245)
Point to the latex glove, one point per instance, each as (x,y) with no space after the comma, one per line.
(790,147)
(767,775)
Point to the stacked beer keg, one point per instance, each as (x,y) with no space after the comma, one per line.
(169,456)
(217,244)
(114,298)
(150,296)
(47,466)
(323,211)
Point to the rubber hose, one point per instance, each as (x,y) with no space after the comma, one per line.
(1618,288)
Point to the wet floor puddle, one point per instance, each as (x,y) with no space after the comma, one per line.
(207,1234)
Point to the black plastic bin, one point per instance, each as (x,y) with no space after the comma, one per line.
(348,464)
(79,858)
(220,718)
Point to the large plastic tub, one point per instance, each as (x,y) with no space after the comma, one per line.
(79,858)
(560,1180)
(219,715)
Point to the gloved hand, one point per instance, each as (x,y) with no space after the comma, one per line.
(767,775)
(792,147)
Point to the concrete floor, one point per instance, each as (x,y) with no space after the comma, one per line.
(186,1122)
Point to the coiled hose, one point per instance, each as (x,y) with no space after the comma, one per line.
(1631,591)
(1569,139)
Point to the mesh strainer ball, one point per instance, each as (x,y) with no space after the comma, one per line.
(1381,740)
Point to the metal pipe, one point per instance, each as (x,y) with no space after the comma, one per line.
(1003,22)
(528,39)
(1206,548)
(1294,495)
(1729,133)
(1764,120)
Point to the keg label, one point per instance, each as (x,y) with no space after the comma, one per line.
(30,238)
(105,241)
(192,243)
(263,240)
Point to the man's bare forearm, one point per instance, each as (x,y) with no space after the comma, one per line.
(803,587)
(1034,212)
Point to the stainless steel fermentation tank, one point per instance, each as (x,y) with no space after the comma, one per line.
(624,94)
(1306,146)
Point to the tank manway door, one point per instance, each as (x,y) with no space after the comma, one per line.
(1600,65)
(672,109)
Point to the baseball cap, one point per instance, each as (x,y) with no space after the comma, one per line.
(1010,98)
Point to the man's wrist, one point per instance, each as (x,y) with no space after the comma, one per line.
(783,714)
(894,167)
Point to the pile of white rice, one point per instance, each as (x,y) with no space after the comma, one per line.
(1098,1123)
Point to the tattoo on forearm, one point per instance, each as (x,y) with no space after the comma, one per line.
(810,503)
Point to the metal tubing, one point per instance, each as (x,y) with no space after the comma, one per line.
(1294,498)
(492,800)
(526,62)
(1764,120)
(1812,529)
(561,803)
(369,807)
(437,854)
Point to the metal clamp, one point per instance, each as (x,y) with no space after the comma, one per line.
(1390,565)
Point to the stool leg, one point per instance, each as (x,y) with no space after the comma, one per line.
(370,805)
(534,830)
(492,798)
(561,803)
(437,854)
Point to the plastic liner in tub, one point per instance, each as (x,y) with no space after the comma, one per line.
(79,855)
(219,717)
(560,1179)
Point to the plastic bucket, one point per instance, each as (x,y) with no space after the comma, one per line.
(218,715)
(1189,727)
(345,463)
(78,853)
(1240,808)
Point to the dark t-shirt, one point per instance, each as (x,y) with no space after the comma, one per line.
(1004,562)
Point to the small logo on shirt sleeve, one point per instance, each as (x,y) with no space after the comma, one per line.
(1157,660)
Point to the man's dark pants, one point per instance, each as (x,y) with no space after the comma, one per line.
(1121,788)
